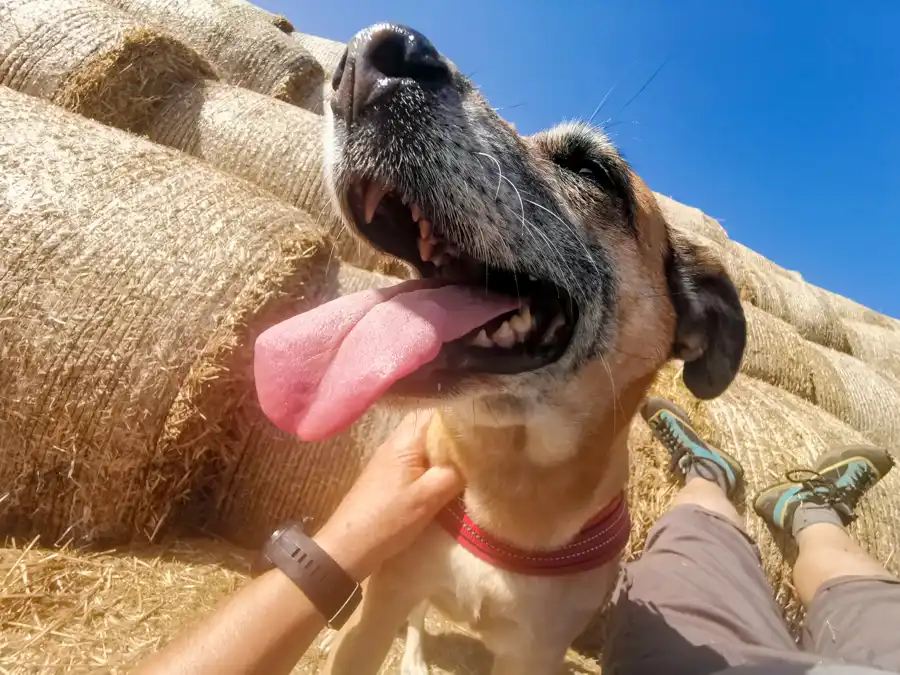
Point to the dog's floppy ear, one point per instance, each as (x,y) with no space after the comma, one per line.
(711,331)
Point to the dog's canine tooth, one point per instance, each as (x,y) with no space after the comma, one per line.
(415,211)
(505,336)
(425,228)
(372,199)
(426,248)
(522,323)
(482,340)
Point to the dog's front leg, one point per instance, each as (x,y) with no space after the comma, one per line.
(363,643)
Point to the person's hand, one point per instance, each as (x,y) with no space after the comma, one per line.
(391,503)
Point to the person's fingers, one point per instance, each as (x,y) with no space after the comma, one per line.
(437,486)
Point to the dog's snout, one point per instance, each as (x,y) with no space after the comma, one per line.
(378,60)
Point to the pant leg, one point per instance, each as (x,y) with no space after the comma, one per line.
(857,620)
(696,602)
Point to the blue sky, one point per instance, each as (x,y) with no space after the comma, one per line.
(779,118)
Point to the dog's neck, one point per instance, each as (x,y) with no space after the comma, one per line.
(536,481)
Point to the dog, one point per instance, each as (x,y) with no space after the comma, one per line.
(560,292)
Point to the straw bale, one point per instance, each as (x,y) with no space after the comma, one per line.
(280,21)
(777,354)
(246,49)
(875,345)
(129,277)
(851,310)
(862,397)
(327,52)
(92,59)
(280,478)
(747,257)
(691,220)
(802,305)
(270,143)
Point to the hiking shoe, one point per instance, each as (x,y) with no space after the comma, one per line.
(840,478)
(690,453)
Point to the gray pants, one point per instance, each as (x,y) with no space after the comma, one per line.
(697,602)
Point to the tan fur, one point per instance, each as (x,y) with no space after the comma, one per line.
(535,483)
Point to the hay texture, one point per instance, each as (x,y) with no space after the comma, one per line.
(270,143)
(864,399)
(800,304)
(245,48)
(690,220)
(875,345)
(328,54)
(850,310)
(92,59)
(279,478)
(280,21)
(130,279)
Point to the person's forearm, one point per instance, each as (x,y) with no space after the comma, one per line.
(263,629)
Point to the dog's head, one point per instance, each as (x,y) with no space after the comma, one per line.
(422,168)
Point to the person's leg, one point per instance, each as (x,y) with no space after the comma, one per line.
(853,603)
(697,600)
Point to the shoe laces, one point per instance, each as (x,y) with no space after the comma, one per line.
(681,456)
(824,491)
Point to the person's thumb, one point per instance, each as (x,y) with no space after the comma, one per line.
(438,485)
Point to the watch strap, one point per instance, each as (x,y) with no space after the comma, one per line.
(329,588)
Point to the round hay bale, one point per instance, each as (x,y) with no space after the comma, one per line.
(92,59)
(328,53)
(860,396)
(272,144)
(276,477)
(741,256)
(690,220)
(777,354)
(131,275)
(769,431)
(802,305)
(280,21)
(247,50)
(875,345)
(851,310)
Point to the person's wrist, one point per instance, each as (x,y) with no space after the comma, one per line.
(346,550)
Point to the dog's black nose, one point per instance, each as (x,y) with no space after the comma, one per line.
(377,61)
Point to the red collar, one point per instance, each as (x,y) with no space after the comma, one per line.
(600,542)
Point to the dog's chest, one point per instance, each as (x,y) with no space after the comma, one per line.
(508,610)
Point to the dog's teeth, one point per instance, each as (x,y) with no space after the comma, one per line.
(505,336)
(426,248)
(531,277)
(415,211)
(404,199)
(482,340)
(555,324)
(372,199)
(425,228)
(522,323)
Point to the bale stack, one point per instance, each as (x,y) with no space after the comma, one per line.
(134,279)
(875,345)
(277,478)
(270,143)
(246,49)
(691,221)
(92,59)
(328,53)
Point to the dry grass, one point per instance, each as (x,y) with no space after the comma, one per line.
(691,221)
(876,345)
(246,48)
(92,59)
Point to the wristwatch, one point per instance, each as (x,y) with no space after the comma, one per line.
(329,588)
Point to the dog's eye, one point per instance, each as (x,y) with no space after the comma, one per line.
(596,173)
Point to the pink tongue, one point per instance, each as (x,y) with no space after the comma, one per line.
(318,372)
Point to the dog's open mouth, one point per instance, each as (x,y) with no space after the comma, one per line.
(320,371)
(534,334)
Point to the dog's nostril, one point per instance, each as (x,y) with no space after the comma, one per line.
(399,52)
